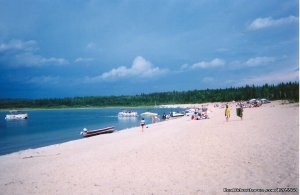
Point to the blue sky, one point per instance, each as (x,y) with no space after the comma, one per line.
(60,48)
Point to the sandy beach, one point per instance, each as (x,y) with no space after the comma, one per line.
(179,156)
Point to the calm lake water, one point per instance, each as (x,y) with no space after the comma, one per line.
(47,127)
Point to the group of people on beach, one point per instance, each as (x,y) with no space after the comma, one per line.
(239,111)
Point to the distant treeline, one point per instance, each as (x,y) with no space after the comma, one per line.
(283,91)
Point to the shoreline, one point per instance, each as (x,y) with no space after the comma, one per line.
(82,139)
(187,105)
(179,156)
(30,128)
(168,106)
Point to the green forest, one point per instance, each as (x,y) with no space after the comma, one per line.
(283,91)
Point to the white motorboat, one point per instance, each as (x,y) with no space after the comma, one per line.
(176,114)
(14,114)
(127,114)
(190,112)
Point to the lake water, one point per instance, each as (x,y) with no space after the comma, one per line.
(47,127)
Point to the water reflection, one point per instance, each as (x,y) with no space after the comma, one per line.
(16,123)
(127,122)
(126,119)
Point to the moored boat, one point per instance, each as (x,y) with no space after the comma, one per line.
(15,114)
(88,133)
(176,114)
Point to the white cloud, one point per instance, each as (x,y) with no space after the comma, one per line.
(53,60)
(140,68)
(18,45)
(273,77)
(29,59)
(252,62)
(212,64)
(82,60)
(258,61)
(18,53)
(184,66)
(261,23)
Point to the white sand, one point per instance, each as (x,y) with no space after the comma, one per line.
(173,157)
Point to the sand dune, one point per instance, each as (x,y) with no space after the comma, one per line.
(178,156)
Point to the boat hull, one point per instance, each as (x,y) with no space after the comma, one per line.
(16,116)
(176,114)
(97,132)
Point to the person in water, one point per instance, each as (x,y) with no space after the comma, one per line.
(227,113)
(143,124)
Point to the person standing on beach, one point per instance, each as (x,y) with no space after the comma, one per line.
(143,124)
(227,113)
(240,110)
